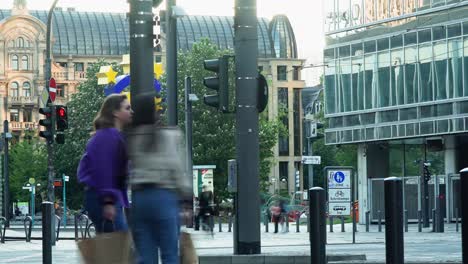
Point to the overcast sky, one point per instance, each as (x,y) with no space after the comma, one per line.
(305,17)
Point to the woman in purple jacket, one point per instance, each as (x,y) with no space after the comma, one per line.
(104,166)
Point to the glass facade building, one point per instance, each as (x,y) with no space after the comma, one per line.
(395,69)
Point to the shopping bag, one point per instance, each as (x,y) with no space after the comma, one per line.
(106,248)
(187,250)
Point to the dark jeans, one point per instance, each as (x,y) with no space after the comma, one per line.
(94,208)
(155,225)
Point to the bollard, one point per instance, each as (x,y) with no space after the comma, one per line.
(342,224)
(286,218)
(230,223)
(379,215)
(47,208)
(367,220)
(318,225)
(406,220)
(433,220)
(220,224)
(394,244)
(419,221)
(211,219)
(456,220)
(59,222)
(440,214)
(76,227)
(2,227)
(298,216)
(330,220)
(464,213)
(308,222)
(266,222)
(27,230)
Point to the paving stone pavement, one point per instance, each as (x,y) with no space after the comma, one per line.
(425,247)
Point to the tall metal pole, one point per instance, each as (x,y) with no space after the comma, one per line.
(311,167)
(171,61)
(50,142)
(317,224)
(188,140)
(141,58)
(464,213)
(6,176)
(394,244)
(425,193)
(247,145)
(64,201)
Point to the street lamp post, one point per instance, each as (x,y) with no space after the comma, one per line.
(6,198)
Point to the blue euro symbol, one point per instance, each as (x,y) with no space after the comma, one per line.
(339,177)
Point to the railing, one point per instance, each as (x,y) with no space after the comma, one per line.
(15,100)
(80,75)
(64,76)
(60,76)
(14,125)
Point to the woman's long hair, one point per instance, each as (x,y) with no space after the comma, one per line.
(105,116)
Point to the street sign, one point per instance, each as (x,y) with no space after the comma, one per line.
(44,97)
(339,195)
(52,89)
(338,209)
(314,160)
(339,179)
(339,191)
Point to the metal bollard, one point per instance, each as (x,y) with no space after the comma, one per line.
(456,220)
(76,227)
(220,224)
(47,208)
(342,224)
(2,227)
(379,215)
(394,243)
(308,222)
(230,223)
(433,220)
(330,220)
(27,230)
(266,222)
(367,220)
(318,225)
(211,219)
(419,221)
(406,220)
(286,218)
(298,215)
(464,213)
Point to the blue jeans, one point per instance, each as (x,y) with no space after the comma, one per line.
(94,207)
(155,225)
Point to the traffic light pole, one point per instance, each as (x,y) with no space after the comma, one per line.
(6,176)
(171,61)
(247,224)
(50,142)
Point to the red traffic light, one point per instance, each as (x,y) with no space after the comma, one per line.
(61,112)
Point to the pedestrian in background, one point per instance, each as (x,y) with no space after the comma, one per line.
(159,180)
(104,166)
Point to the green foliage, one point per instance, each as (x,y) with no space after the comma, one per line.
(27,159)
(82,109)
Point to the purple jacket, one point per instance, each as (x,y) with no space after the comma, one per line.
(104,165)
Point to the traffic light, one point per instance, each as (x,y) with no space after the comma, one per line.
(46,123)
(312,130)
(426,172)
(61,123)
(218,83)
(262,93)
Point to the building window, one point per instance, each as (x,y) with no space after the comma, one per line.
(283,174)
(281,71)
(297,121)
(24,63)
(27,115)
(14,63)
(61,90)
(296,71)
(283,141)
(14,115)
(26,89)
(14,89)
(20,43)
(79,66)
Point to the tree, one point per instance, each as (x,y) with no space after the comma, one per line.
(27,159)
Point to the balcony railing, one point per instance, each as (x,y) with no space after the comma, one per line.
(60,76)
(14,125)
(23,100)
(64,76)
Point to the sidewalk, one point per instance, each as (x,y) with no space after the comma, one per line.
(425,247)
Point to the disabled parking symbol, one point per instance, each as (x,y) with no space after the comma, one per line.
(339,177)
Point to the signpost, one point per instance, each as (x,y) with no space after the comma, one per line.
(314,160)
(52,89)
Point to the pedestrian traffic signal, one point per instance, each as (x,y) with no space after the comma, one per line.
(313,131)
(426,172)
(218,83)
(46,123)
(61,123)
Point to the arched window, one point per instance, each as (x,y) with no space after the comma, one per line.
(24,62)
(26,89)
(14,89)
(14,62)
(20,42)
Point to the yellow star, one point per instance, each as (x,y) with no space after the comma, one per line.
(158,70)
(106,75)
